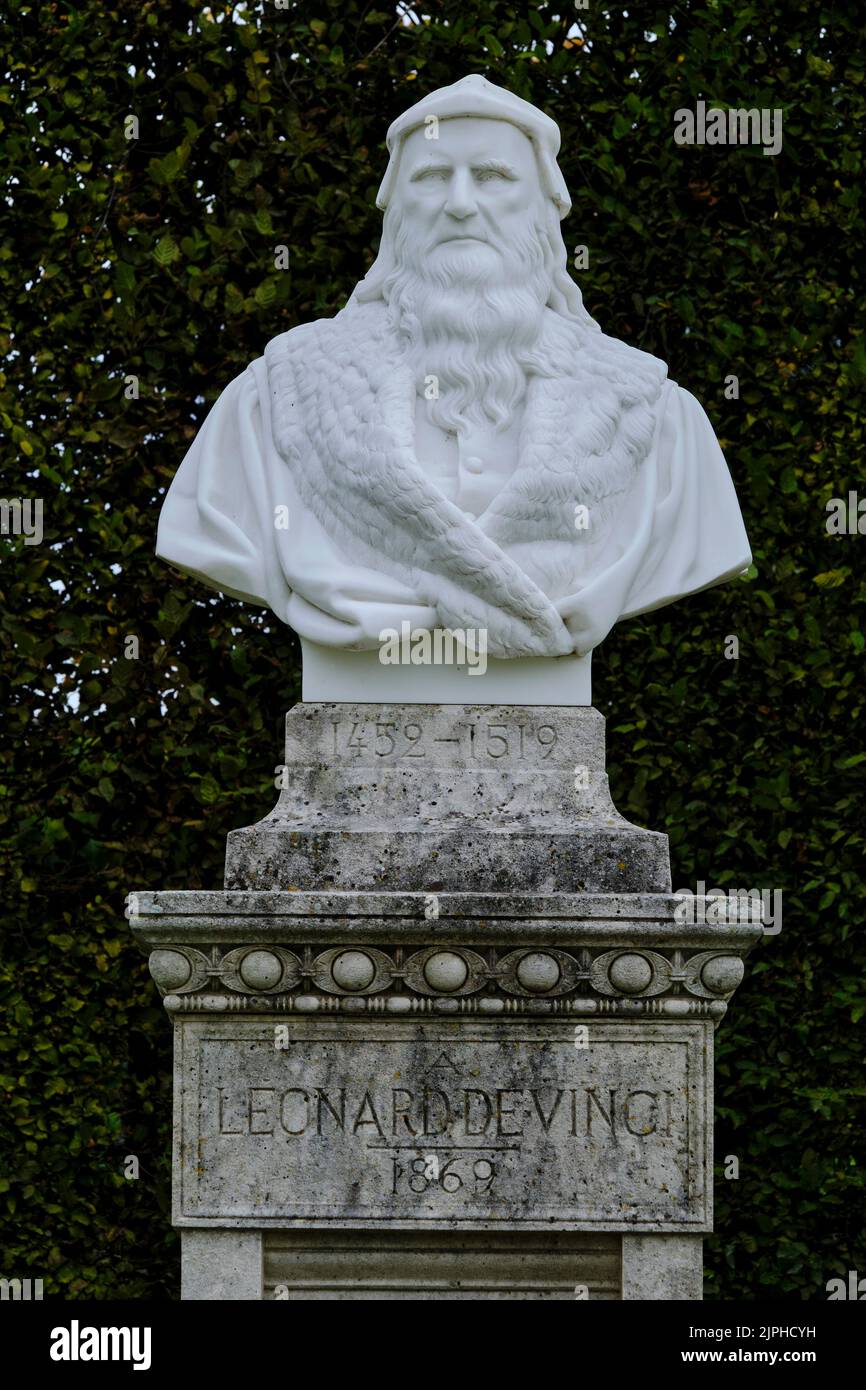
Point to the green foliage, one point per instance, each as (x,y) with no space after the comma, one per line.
(154,257)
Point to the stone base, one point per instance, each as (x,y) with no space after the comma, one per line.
(444,1033)
(516,1083)
(450,798)
(397,1265)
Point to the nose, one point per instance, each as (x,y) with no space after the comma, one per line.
(461,201)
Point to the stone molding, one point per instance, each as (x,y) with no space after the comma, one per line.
(381,954)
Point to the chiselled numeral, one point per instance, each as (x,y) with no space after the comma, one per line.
(382,732)
(452,1174)
(497,744)
(549,740)
(356,743)
(485,741)
(413,733)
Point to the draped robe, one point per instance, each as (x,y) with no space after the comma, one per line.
(304,491)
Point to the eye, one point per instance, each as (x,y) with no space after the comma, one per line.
(486,175)
(424,174)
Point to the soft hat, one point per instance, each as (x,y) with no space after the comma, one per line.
(475,96)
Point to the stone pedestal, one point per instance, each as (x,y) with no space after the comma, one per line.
(442,1034)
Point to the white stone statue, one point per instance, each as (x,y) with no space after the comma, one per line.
(460,448)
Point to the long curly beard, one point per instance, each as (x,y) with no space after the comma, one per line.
(470,319)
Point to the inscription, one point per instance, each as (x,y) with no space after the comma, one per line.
(430,1121)
(451,1175)
(506,1112)
(476,740)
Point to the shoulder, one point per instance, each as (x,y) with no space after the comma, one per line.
(240,394)
(285,344)
(596,359)
(641,372)
(350,324)
(684,409)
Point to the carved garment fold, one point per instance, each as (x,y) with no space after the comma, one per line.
(342,406)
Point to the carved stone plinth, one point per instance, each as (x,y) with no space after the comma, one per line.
(446,798)
(433,1040)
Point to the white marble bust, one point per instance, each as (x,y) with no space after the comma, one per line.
(460,447)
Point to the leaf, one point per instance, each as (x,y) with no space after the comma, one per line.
(166,251)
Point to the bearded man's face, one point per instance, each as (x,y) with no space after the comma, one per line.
(467,196)
(471,277)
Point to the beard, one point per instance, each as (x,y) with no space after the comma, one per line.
(470,317)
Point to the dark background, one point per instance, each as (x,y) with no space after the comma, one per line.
(155,257)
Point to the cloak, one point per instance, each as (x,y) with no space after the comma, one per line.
(304,492)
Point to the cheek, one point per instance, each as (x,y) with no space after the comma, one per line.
(421,205)
(516,202)
(509,205)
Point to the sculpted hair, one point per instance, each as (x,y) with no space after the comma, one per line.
(564,298)
(605,389)
(475,332)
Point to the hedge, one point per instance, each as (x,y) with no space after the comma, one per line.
(148,253)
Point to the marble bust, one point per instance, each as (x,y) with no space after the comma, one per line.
(460,448)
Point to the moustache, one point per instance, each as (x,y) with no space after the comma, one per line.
(457,237)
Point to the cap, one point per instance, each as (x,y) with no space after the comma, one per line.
(475,96)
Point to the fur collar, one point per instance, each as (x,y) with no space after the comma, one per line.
(343,410)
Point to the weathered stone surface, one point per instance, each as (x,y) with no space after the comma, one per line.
(446,798)
(407,1019)
(566,955)
(668,1269)
(388,1264)
(222,1265)
(446,1123)
(202,915)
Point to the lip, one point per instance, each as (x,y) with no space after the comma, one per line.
(444,241)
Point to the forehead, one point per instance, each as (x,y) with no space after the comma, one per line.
(471,139)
